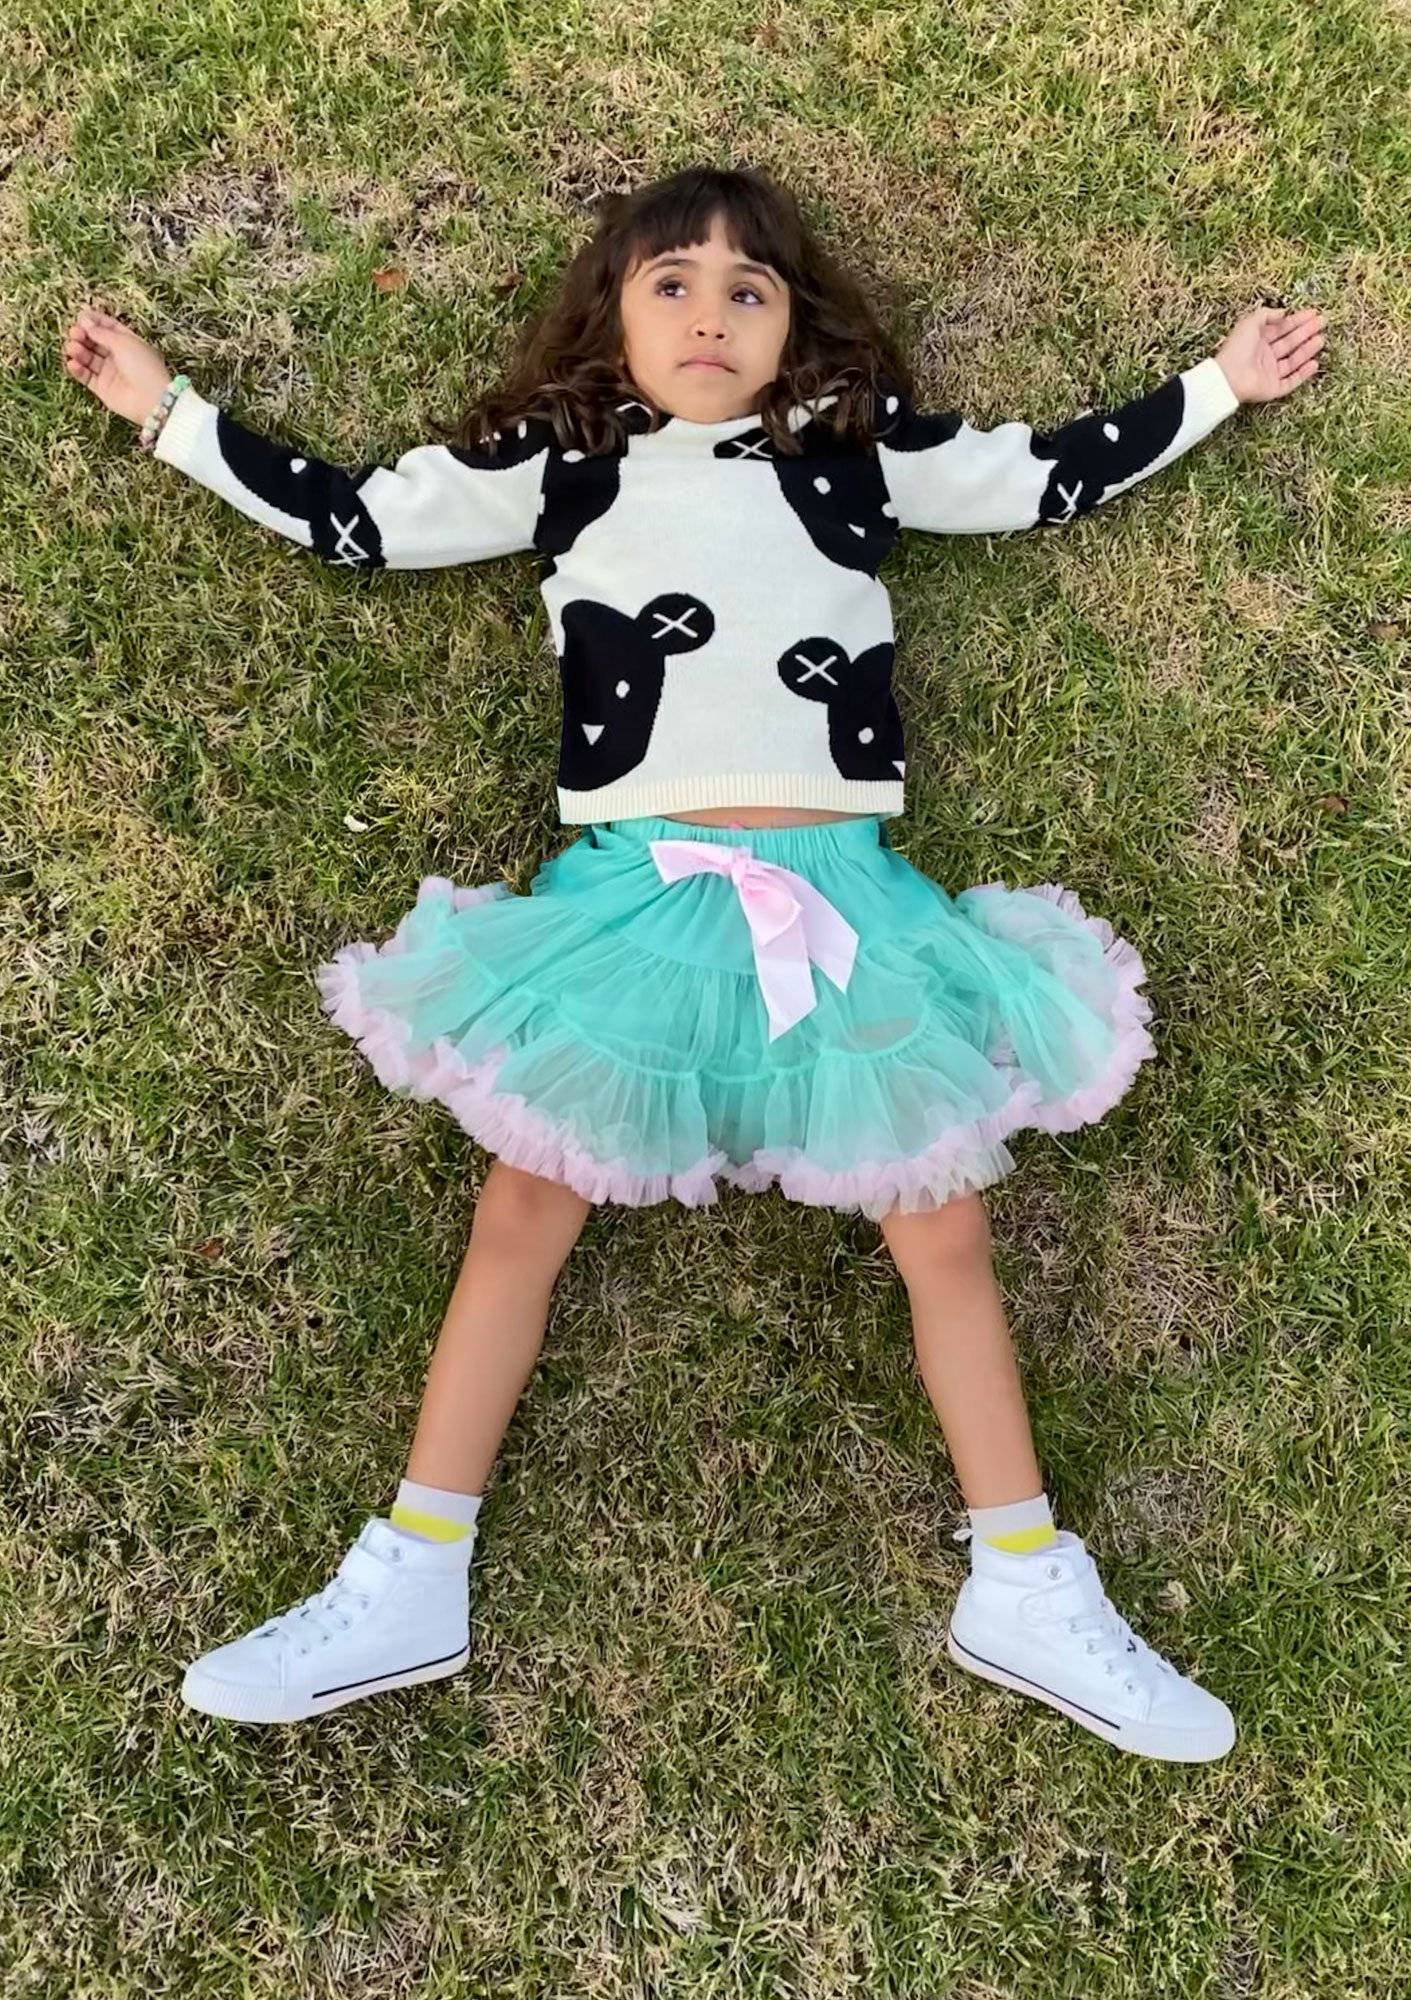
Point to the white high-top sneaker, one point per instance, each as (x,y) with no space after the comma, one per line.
(1041,1623)
(397,1612)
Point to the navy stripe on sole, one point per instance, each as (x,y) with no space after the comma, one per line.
(1037,1686)
(320,1694)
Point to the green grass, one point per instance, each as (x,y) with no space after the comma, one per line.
(710,1744)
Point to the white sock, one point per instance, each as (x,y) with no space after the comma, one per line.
(1019,1527)
(433,1514)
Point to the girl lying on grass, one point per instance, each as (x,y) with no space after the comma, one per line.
(712,445)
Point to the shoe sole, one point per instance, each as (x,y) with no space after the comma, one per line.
(244,1704)
(1172,1746)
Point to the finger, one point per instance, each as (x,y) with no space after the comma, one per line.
(1293,323)
(1311,345)
(1298,334)
(90,356)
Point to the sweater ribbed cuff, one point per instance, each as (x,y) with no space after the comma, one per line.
(176,440)
(1209,397)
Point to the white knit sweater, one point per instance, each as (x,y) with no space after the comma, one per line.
(722,635)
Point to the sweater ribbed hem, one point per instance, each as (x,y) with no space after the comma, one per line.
(660,797)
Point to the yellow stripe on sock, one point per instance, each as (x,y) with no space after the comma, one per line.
(1022,1540)
(434,1526)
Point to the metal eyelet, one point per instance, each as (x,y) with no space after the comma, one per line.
(1129,1687)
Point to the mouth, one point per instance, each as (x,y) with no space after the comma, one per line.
(699,361)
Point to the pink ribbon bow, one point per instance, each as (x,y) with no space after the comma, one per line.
(790,923)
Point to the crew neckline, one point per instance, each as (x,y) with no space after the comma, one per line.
(720,423)
(798,415)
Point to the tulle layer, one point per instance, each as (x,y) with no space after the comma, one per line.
(571,1048)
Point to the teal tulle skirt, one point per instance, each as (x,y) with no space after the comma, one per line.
(791,1006)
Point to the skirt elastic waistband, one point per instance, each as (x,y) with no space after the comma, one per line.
(774,843)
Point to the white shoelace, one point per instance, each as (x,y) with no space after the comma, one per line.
(1108,1636)
(316,1618)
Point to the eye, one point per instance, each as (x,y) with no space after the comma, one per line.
(738,289)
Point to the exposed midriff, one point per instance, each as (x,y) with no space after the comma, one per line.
(759,816)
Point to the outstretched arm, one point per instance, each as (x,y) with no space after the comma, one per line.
(944,476)
(439,504)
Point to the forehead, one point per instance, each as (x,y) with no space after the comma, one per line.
(717,249)
(690,259)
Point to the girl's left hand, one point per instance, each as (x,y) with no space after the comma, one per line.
(1268,352)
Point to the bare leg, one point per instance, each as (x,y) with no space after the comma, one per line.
(963,1349)
(523,1229)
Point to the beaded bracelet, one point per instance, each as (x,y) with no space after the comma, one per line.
(150,430)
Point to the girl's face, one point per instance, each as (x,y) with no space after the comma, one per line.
(704,300)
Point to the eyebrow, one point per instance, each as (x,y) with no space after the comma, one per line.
(740,264)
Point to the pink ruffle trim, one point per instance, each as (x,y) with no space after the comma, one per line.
(961,1161)
(1130,1014)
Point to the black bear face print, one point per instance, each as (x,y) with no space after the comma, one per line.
(843,506)
(579,490)
(329,498)
(613,668)
(325,496)
(522,440)
(843,502)
(865,736)
(1089,456)
(1097,452)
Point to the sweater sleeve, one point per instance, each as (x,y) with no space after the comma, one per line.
(438,505)
(943,476)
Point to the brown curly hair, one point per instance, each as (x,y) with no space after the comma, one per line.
(565,366)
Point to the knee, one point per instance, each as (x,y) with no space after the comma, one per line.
(527,1216)
(940,1241)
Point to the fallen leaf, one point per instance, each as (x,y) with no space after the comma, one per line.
(354,825)
(389,279)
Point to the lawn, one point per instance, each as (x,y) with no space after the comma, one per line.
(710,1744)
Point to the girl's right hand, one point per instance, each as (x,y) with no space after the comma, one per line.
(124,371)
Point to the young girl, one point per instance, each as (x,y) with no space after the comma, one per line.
(729,975)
